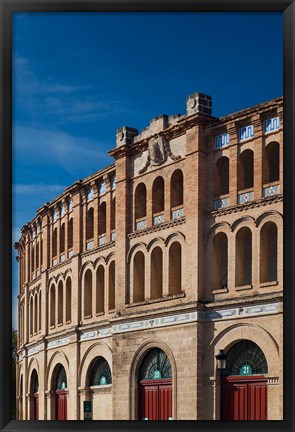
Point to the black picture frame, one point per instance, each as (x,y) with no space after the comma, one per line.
(7,8)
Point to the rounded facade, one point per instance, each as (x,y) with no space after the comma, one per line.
(134,279)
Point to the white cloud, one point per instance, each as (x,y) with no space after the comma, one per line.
(60,149)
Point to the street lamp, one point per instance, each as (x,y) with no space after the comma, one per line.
(221,365)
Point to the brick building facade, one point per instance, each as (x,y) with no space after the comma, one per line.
(134,279)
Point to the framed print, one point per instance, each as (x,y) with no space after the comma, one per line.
(147,215)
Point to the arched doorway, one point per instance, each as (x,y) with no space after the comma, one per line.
(155,387)
(61,393)
(244,385)
(34,396)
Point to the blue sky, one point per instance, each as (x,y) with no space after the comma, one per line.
(77,77)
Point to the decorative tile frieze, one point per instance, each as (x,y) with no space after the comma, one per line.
(58,342)
(246,133)
(178,213)
(33,350)
(102,240)
(90,245)
(271,190)
(245,197)
(141,225)
(221,203)
(158,219)
(222,140)
(271,125)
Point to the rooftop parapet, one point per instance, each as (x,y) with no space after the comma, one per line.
(199,103)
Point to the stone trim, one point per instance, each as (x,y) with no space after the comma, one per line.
(156,228)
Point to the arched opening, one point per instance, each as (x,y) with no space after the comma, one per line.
(158,195)
(20,404)
(268,252)
(68,300)
(62,239)
(33,259)
(89,224)
(40,311)
(59,386)
(246,173)
(244,257)
(220,262)
(35,313)
(54,243)
(175,268)
(113,214)
(52,306)
(70,234)
(99,380)
(102,219)
(176,189)
(31,316)
(88,294)
(271,167)
(112,279)
(155,386)
(60,304)
(222,176)
(138,277)
(157,273)
(140,201)
(100,287)
(37,255)
(34,396)
(244,386)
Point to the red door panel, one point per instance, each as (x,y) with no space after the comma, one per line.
(36,400)
(61,405)
(165,393)
(155,400)
(244,399)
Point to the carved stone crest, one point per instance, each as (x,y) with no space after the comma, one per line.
(158,151)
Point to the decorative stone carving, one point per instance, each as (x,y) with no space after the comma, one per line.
(158,151)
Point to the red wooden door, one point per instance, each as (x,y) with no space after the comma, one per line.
(244,398)
(61,405)
(155,400)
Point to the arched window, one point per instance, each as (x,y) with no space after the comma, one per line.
(138,277)
(140,201)
(68,300)
(155,366)
(175,268)
(36,313)
(100,373)
(33,259)
(246,358)
(40,310)
(220,261)
(88,293)
(37,255)
(62,238)
(271,167)
(89,224)
(112,278)
(244,257)
(222,176)
(61,378)
(31,316)
(176,192)
(54,242)
(41,253)
(102,219)
(70,234)
(34,385)
(52,305)
(157,273)
(268,252)
(60,304)
(113,214)
(158,195)
(21,391)
(34,400)
(246,176)
(100,278)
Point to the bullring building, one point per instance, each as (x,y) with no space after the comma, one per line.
(153,287)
